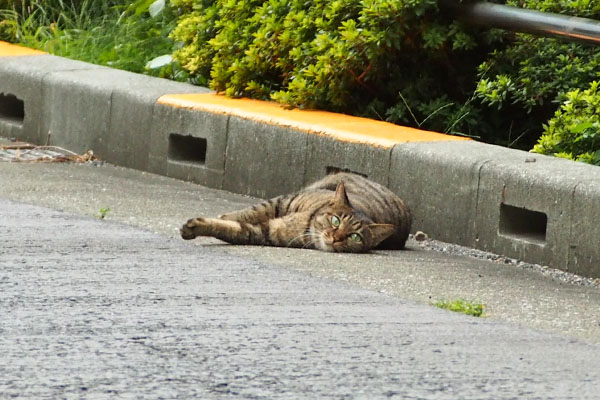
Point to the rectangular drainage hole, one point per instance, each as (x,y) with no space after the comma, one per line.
(185,148)
(335,170)
(523,224)
(12,109)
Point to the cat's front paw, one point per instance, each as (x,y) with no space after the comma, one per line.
(189,230)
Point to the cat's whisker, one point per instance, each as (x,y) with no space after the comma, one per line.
(323,239)
(309,244)
(301,237)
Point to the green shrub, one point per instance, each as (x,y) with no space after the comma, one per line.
(574,132)
(528,80)
(401,61)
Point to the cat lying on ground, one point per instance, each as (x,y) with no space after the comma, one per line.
(342,212)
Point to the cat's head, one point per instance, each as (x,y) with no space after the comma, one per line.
(340,228)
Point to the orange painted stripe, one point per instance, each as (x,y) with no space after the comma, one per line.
(339,126)
(7,50)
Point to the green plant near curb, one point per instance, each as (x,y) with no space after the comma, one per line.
(574,132)
(474,309)
(103,212)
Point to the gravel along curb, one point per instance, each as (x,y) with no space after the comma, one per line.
(533,208)
(553,273)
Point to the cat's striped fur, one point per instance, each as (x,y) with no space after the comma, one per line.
(342,212)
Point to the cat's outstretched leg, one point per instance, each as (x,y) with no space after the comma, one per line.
(289,231)
(258,213)
(229,231)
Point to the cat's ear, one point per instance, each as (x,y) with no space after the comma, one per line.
(340,198)
(380,232)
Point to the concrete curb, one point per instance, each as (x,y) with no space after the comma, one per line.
(536,208)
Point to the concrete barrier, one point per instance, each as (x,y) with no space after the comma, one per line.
(510,202)
(188,145)
(536,208)
(584,230)
(270,150)
(22,78)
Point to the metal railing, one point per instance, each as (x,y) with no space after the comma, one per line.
(527,21)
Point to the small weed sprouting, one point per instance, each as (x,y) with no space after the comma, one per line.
(103,212)
(467,307)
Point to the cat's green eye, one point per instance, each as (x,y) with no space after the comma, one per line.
(356,237)
(335,221)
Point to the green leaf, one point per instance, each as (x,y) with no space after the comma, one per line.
(156,8)
(140,6)
(596,158)
(582,127)
(159,62)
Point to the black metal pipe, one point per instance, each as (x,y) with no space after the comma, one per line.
(527,21)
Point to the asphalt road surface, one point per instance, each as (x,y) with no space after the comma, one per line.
(91,308)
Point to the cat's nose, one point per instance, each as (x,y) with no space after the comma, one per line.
(338,237)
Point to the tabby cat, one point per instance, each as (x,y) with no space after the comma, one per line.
(341,213)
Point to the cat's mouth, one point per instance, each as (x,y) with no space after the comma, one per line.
(325,243)
(329,244)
